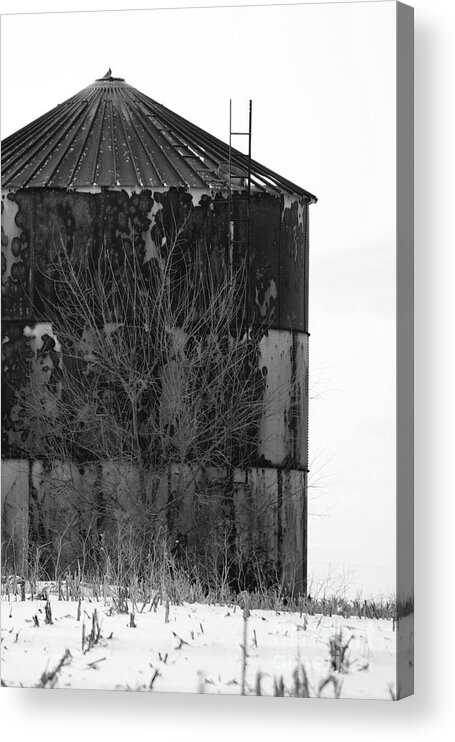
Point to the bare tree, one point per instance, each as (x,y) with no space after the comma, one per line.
(147,365)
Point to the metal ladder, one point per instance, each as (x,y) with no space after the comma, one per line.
(232,219)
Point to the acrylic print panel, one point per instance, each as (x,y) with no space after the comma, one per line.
(181,460)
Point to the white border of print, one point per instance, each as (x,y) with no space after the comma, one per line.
(89,715)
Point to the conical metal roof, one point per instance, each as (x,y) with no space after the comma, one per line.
(112,135)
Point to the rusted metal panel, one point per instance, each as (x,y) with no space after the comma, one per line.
(31,366)
(278,522)
(57,221)
(30,369)
(275,432)
(120,485)
(283,433)
(119,220)
(301,400)
(197,503)
(293,268)
(67,511)
(265,215)
(293,520)
(39,222)
(16,358)
(65,514)
(245,513)
(112,135)
(264,495)
(80,223)
(15,514)
(182,496)
(269,524)
(76,508)
(16,260)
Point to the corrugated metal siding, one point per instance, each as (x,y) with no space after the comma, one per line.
(35,221)
(292,303)
(283,434)
(15,262)
(294,535)
(58,506)
(301,397)
(15,512)
(275,362)
(112,135)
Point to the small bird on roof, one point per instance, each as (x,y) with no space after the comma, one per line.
(108,75)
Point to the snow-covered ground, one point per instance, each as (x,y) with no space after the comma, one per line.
(197,649)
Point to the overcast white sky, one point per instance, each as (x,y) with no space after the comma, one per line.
(322,80)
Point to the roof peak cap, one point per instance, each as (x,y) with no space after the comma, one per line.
(108,77)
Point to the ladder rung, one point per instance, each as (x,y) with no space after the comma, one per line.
(240,133)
